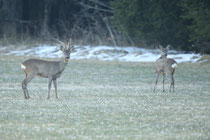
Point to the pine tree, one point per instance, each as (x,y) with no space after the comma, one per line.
(197,12)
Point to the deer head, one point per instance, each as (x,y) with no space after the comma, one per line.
(67,49)
(164,51)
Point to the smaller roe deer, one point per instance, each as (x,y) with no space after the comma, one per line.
(163,66)
(48,69)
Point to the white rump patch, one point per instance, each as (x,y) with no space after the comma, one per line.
(23,66)
(174,65)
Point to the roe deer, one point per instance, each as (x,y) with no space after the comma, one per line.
(48,69)
(164,66)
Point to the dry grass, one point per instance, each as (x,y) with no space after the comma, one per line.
(205,59)
(105,100)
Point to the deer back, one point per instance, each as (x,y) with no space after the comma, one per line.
(43,68)
(165,66)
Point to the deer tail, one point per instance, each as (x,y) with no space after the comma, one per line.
(23,66)
(174,65)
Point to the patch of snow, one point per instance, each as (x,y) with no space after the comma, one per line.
(2,48)
(41,51)
(108,53)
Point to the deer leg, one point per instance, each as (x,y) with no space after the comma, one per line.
(49,87)
(156,82)
(172,83)
(25,82)
(25,91)
(163,82)
(55,86)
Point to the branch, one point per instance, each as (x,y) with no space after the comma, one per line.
(18,20)
(110,31)
(100,3)
(57,40)
(96,8)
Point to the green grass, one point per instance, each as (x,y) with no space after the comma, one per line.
(105,100)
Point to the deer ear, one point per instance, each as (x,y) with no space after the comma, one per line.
(62,48)
(71,48)
(168,47)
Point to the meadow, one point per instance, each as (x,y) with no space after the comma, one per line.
(105,100)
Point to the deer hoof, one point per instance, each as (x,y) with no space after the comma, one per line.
(26,98)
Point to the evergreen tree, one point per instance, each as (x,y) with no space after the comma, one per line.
(154,21)
(197,12)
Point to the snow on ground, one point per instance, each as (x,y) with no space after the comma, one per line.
(108,53)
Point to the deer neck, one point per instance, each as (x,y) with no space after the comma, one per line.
(163,57)
(62,63)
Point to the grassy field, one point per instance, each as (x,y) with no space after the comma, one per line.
(105,100)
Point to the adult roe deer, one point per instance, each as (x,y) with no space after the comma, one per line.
(164,66)
(48,69)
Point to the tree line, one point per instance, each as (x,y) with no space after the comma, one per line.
(185,24)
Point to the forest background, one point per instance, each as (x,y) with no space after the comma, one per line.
(184,24)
